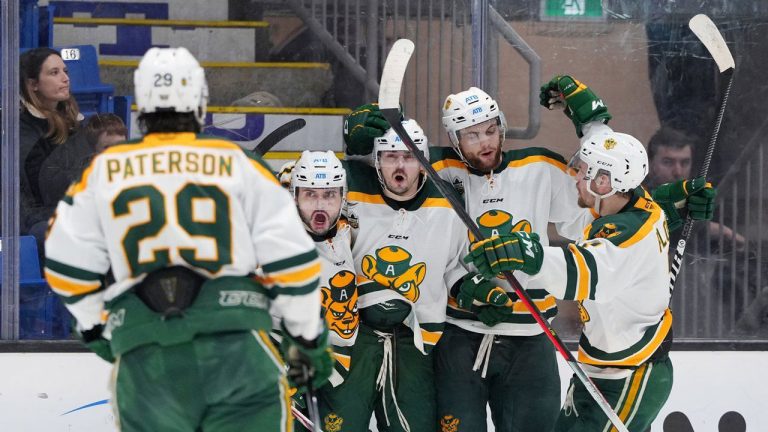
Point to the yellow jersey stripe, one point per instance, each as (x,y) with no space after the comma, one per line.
(640,356)
(647,226)
(582,286)
(344,360)
(436,202)
(537,158)
(449,163)
(301,276)
(430,337)
(543,305)
(65,285)
(634,390)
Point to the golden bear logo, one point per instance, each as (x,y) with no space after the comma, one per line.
(607,231)
(609,143)
(391,267)
(333,422)
(449,423)
(498,222)
(340,304)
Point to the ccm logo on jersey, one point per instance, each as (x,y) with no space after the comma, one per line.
(492,200)
(398,237)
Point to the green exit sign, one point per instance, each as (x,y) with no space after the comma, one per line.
(571,9)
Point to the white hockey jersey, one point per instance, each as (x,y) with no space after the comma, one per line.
(338,286)
(408,251)
(180,199)
(619,274)
(530,189)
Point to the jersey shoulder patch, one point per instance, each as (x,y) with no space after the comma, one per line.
(620,227)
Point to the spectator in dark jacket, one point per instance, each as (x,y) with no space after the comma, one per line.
(66,163)
(49,119)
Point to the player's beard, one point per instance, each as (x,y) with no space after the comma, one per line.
(485,163)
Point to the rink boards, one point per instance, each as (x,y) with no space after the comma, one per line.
(69,391)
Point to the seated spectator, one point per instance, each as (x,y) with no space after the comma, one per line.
(49,118)
(65,163)
(105,130)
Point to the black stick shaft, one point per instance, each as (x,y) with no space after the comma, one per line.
(677,260)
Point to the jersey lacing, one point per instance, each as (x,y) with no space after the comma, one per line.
(484,354)
(385,372)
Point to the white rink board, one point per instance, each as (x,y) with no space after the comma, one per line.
(36,390)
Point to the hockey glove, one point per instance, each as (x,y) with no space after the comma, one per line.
(94,340)
(361,126)
(697,195)
(309,361)
(516,251)
(492,315)
(581,104)
(475,287)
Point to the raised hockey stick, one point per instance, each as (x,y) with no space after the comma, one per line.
(278,135)
(707,32)
(389,98)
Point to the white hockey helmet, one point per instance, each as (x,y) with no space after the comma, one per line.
(319,169)
(468,108)
(620,156)
(390,141)
(171,79)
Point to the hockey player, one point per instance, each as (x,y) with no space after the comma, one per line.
(182,222)
(618,273)
(405,244)
(494,355)
(318,183)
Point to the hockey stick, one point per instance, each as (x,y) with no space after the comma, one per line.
(307,423)
(389,98)
(278,135)
(707,32)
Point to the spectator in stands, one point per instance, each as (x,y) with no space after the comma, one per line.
(49,119)
(105,130)
(670,155)
(65,163)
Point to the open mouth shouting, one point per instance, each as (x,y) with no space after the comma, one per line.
(320,221)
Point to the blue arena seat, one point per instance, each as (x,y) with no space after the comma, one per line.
(41,313)
(91,94)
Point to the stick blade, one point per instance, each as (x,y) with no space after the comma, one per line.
(710,36)
(393,74)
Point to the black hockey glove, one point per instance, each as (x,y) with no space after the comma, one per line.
(96,343)
(309,361)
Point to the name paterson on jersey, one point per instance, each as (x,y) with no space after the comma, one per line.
(167,161)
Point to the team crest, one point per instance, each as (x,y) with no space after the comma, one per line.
(449,423)
(333,422)
(352,219)
(498,222)
(340,304)
(391,267)
(609,144)
(607,231)
(458,185)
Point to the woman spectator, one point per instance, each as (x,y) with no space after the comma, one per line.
(49,118)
